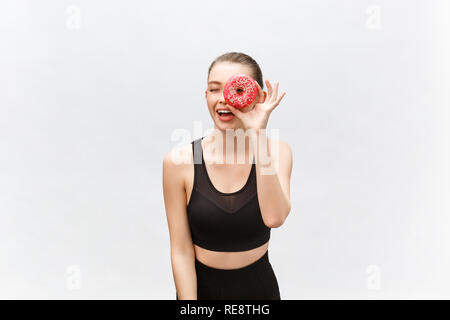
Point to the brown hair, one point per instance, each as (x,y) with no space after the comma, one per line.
(239,57)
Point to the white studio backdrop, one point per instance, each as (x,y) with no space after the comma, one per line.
(92,91)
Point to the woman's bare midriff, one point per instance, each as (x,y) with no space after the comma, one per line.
(229,260)
(218,259)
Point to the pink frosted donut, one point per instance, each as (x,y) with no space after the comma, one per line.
(240,91)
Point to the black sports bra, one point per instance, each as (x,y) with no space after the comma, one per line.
(224,221)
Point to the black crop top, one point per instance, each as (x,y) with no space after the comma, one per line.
(224,221)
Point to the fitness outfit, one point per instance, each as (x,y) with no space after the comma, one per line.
(229,222)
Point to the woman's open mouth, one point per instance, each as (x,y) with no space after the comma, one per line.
(225,115)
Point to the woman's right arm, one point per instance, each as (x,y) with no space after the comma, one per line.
(181,248)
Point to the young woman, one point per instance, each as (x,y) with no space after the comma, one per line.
(220,214)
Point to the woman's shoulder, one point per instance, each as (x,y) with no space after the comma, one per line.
(177,164)
(284,155)
(179,156)
(283,146)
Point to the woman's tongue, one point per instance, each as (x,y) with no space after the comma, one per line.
(225,114)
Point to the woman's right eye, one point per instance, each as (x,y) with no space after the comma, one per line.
(213,89)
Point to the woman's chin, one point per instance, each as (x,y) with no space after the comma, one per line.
(226,125)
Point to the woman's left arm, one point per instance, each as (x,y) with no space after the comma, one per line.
(273,157)
(273,174)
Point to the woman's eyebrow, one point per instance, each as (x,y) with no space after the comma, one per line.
(213,81)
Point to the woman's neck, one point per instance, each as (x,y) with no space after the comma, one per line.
(234,149)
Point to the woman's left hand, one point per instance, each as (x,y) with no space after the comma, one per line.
(258,117)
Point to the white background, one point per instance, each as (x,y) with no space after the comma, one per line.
(91,92)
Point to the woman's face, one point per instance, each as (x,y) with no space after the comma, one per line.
(218,76)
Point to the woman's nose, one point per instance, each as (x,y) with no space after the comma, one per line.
(221,98)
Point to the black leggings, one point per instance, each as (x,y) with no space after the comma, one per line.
(255,281)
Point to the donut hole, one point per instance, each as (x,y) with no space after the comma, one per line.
(240,90)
